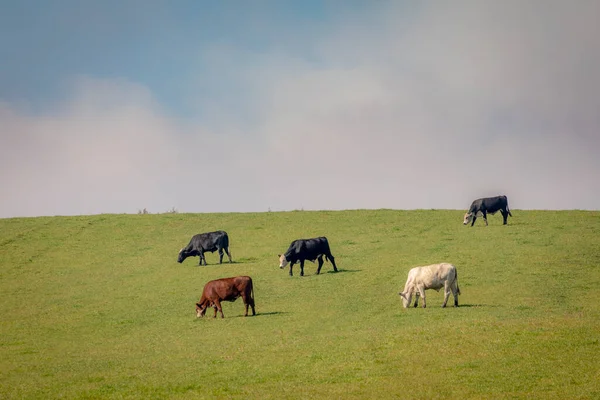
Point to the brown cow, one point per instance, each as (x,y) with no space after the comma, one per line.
(226,289)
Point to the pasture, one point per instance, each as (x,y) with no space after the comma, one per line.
(98,307)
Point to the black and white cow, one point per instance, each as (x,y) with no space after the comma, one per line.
(487,205)
(203,242)
(307,249)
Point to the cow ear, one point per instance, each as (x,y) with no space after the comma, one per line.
(278,255)
(402,294)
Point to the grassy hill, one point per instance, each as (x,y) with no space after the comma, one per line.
(98,307)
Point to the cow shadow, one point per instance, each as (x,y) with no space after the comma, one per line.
(475,305)
(244,260)
(339,271)
(262,314)
(223,264)
(343,270)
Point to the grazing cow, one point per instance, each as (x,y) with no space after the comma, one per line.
(226,289)
(488,205)
(203,242)
(307,249)
(434,276)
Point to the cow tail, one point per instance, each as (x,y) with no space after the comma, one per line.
(226,241)
(456,279)
(328,251)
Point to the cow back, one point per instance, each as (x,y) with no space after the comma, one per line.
(209,241)
(431,276)
(307,249)
(227,289)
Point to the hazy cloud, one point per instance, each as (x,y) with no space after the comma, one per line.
(402,107)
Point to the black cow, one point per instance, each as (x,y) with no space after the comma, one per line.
(307,249)
(488,205)
(203,242)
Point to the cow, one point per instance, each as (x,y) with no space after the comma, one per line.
(487,205)
(226,289)
(203,242)
(435,276)
(307,249)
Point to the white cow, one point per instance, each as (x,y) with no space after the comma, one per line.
(434,276)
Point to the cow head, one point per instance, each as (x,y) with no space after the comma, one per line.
(200,310)
(468,217)
(282,260)
(182,256)
(406,298)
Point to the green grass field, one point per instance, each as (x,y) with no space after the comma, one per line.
(98,307)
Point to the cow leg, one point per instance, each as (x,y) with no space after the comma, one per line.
(202,259)
(215,308)
(504,216)
(252,305)
(416,299)
(218,307)
(228,254)
(332,259)
(248,301)
(455,294)
(473,220)
(422,293)
(220,256)
(301,267)
(291,266)
(485,217)
(320,264)
(446,293)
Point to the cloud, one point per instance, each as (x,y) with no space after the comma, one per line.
(110,148)
(100,152)
(429,106)
(466,101)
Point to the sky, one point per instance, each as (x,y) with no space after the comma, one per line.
(258,105)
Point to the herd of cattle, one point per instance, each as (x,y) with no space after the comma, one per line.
(435,276)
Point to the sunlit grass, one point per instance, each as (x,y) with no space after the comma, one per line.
(98,307)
